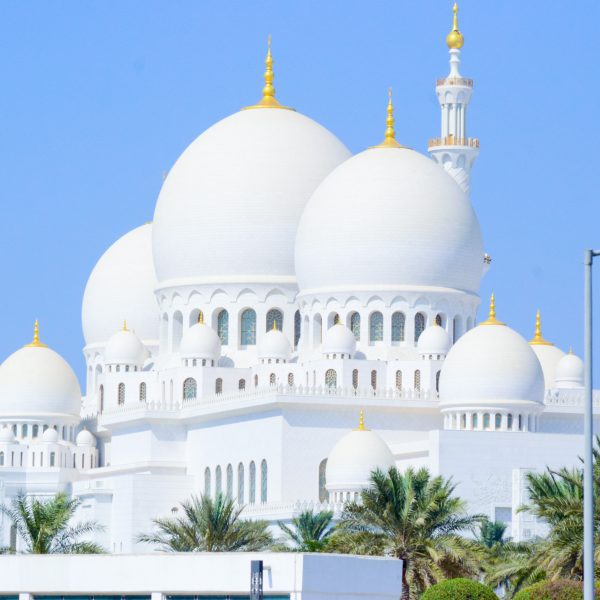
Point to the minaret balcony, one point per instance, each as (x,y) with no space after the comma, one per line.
(451,140)
(462,81)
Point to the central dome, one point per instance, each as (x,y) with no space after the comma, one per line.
(385,219)
(229,209)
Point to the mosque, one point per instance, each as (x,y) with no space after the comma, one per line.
(335,336)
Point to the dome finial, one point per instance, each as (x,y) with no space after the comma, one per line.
(455,39)
(201,318)
(125,325)
(268,100)
(538,340)
(390,135)
(491,320)
(361,421)
(274,324)
(36,337)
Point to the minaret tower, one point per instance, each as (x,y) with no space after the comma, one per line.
(453,149)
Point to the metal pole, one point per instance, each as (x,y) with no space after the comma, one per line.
(588,436)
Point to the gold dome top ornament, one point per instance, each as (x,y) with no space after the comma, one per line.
(390,134)
(36,337)
(538,340)
(268,100)
(455,39)
(491,320)
(361,422)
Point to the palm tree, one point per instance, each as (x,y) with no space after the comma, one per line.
(308,532)
(491,533)
(44,525)
(415,517)
(209,525)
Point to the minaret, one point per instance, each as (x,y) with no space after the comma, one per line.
(453,149)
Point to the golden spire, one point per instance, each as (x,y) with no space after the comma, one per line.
(201,318)
(361,421)
(274,324)
(538,340)
(125,326)
(36,337)
(390,135)
(268,100)
(455,39)
(491,320)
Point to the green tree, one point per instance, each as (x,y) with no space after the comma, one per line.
(416,518)
(209,525)
(459,589)
(491,533)
(308,532)
(45,527)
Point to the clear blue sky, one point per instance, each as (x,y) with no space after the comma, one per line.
(99,98)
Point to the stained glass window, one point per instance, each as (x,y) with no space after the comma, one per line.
(323,495)
(418,380)
(355,325)
(121,393)
(143,391)
(263,481)
(189,389)
(218,386)
(374,379)
(252,487)
(398,322)
(297,327)
(240,494)
(419,325)
(223,327)
(355,378)
(248,329)
(331,378)
(275,316)
(398,380)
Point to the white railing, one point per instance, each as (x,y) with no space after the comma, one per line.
(567,397)
(293,508)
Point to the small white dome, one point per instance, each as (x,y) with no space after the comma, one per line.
(6,435)
(35,380)
(549,357)
(386,219)
(85,438)
(50,436)
(353,459)
(200,341)
(569,372)
(339,340)
(121,286)
(491,366)
(275,345)
(125,348)
(434,340)
(254,171)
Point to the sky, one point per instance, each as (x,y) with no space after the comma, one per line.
(99,98)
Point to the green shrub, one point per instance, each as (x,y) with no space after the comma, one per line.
(459,589)
(561,589)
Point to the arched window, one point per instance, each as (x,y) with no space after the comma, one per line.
(190,389)
(509,421)
(323,495)
(438,320)
(374,379)
(297,327)
(207,482)
(252,486)
(218,481)
(398,323)
(417,380)
(1,459)
(275,316)
(520,423)
(475,420)
(463,421)
(331,378)
(263,482)
(229,482)
(398,380)
(486,421)
(376,327)
(437,381)
(25,431)
(218,385)
(143,391)
(35,431)
(498,421)
(121,394)
(223,327)
(290,379)
(355,378)
(272,379)
(455,328)
(101,391)
(419,325)
(355,325)
(240,494)
(256,381)
(248,328)
(242,384)
(52,459)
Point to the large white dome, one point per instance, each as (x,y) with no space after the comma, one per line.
(35,381)
(385,219)
(229,209)
(121,286)
(549,357)
(491,366)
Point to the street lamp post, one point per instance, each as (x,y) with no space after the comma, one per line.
(588,434)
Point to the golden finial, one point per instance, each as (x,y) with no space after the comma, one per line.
(538,340)
(491,320)
(125,326)
(361,421)
(268,100)
(455,39)
(201,318)
(36,337)
(274,324)
(390,135)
